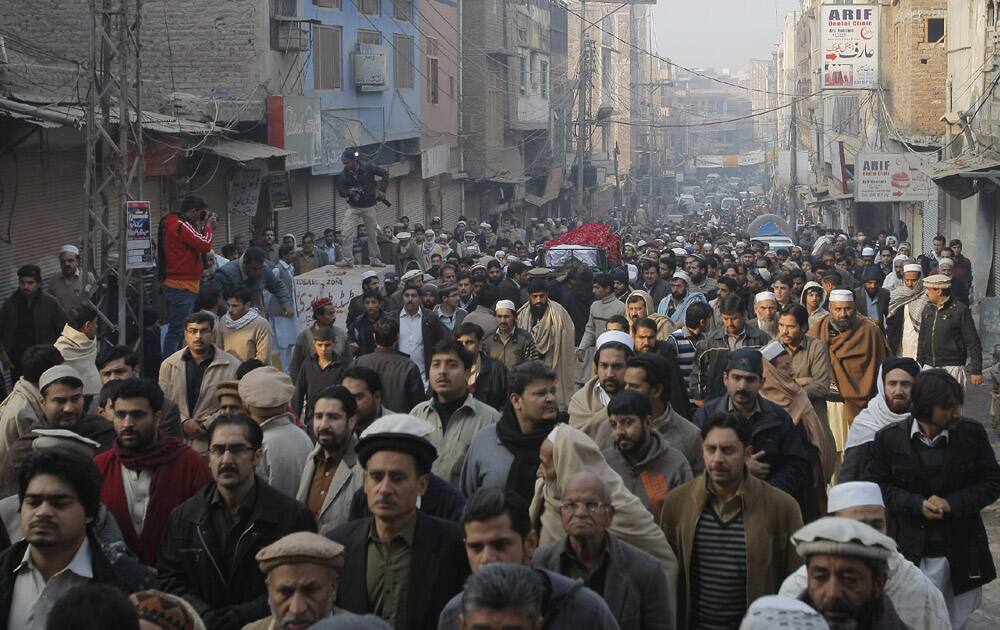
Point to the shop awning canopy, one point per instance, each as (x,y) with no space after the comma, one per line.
(242,150)
(957,176)
(56,114)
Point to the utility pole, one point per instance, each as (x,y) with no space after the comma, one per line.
(582,82)
(793,193)
(114,155)
(652,144)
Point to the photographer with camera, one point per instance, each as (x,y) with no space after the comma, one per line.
(358,186)
(182,247)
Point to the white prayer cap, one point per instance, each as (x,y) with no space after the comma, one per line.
(913,267)
(946,262)
(399,423)
(853,494)
(368,274)
(511,258)
(69,249)
(867,251)
(411,274)
(403,235)
(843,236)
(505,305)
(900,257)
(777,611)
(682,275)
(499,254)
(841,295)
(615,335)
(429,233)
(772,350)
(679,251)
(484,224)
(764,296)
(642,243)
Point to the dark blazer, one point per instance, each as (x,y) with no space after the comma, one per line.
(635,588)
(438,568)
(861,303)
(118,570)
(433,332)
(189,562)
(972,482)
(491,384)
(402,387)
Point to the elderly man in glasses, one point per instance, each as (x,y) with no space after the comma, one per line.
(610,567)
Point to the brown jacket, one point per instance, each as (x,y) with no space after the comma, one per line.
(173,382)
(770,517)
(812,359)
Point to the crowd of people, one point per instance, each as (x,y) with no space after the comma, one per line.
(707,434)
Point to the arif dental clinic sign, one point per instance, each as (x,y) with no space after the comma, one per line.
(881,177)
(849,45)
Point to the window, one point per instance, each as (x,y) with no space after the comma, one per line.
(431,55)
(402,10)
(326,55)
(370,37)
(368,7)
(523,75)
(935,30)
(543,79)
(327,4)
(404,60)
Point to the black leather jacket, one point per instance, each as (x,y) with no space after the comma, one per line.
(948,336)
(358,185)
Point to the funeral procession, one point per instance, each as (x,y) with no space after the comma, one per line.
(499,315)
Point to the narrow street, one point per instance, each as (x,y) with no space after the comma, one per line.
(988,616)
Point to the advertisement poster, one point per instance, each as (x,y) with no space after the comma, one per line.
(881,177)
(849,40)
(138,244)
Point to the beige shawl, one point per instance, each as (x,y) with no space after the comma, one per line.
(574,452)
(587,412)
(554,336)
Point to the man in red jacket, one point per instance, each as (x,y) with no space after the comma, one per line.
(181,252)
(147,473)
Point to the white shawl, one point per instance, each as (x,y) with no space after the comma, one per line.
(872,418)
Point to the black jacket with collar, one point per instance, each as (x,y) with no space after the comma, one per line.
(710,358)
(190,564)
(438,568)
(433,332)
(948,336)
(491,384)
(785,444)
(861,304)
(116,569)
(971,483)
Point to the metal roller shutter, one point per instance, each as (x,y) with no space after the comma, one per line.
(41,210)
(321,204)
(295,220)
(452,193)
(412,204)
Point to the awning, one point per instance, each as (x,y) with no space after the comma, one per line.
(242,151)
(953,175)
(76,116)
(831,199)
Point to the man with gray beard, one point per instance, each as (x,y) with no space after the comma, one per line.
(906,306)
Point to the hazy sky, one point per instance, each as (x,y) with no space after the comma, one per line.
(718,33)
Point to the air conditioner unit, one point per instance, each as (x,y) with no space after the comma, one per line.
(369,62)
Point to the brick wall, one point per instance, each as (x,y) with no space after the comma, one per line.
(914,69)
(219,49)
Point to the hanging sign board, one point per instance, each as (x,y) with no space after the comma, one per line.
(138,244)
(881,177)
(849,46)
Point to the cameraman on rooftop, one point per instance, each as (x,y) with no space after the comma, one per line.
(358,186)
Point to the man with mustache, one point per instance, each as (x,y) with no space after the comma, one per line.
(207,553)
(332,475)
(505,454)
(847,569)
(646,462)
(59,492)
(588,408)
(402,564)
(455,414)
(891,404)
(779,454)
(147,473)
(303,573)
(729,530)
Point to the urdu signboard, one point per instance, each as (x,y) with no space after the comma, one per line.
(849,45)
(882,177)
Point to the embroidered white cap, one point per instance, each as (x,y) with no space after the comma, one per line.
(841,295)
(853,494)
(764,296)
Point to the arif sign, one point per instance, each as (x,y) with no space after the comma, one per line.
(883,177)
(849,46)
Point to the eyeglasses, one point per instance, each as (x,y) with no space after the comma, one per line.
(236,449)
(573,506)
